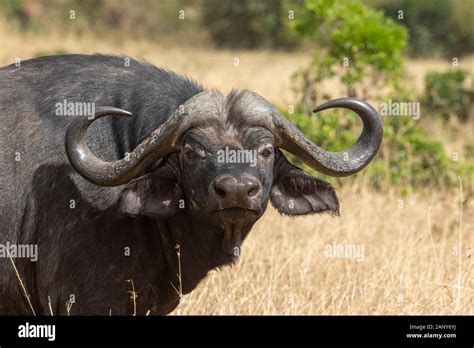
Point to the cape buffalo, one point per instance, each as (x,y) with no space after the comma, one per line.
(108,202)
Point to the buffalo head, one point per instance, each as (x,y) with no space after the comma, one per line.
(219,157)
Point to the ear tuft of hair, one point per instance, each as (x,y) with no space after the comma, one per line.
(308,186)
(302,185)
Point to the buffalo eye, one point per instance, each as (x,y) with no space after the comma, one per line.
(191,155)
(266,152)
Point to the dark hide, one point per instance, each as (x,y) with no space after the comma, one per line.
(96,244)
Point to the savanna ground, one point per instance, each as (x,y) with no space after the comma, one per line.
(415,251)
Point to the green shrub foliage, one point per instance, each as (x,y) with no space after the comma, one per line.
(371,45)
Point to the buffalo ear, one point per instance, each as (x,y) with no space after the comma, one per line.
(151,195)
(295,192)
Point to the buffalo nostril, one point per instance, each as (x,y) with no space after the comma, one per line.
(253,191)
(220,192)
(223,186)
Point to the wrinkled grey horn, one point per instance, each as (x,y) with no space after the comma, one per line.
(119,172)
(342,163)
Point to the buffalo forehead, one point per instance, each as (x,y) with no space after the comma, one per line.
(229,119)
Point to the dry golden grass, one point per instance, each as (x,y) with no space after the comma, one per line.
(266,72)
(410,264)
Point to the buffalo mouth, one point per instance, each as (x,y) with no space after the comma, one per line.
(236,214)
(230,241)
(232,221)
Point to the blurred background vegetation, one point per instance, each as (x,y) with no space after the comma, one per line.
(435,27)
(357,48)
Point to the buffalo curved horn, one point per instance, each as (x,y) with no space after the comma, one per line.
(342,163)
(118,172)
(161,142)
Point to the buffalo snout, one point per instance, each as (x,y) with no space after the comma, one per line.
(236,191)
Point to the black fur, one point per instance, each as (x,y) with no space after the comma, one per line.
(79,249)
(93,242)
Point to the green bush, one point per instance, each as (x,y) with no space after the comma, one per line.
(150,19)
(408,157)
(13,9)
(358,45)
(248,23)
(445,94)
(435,27)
